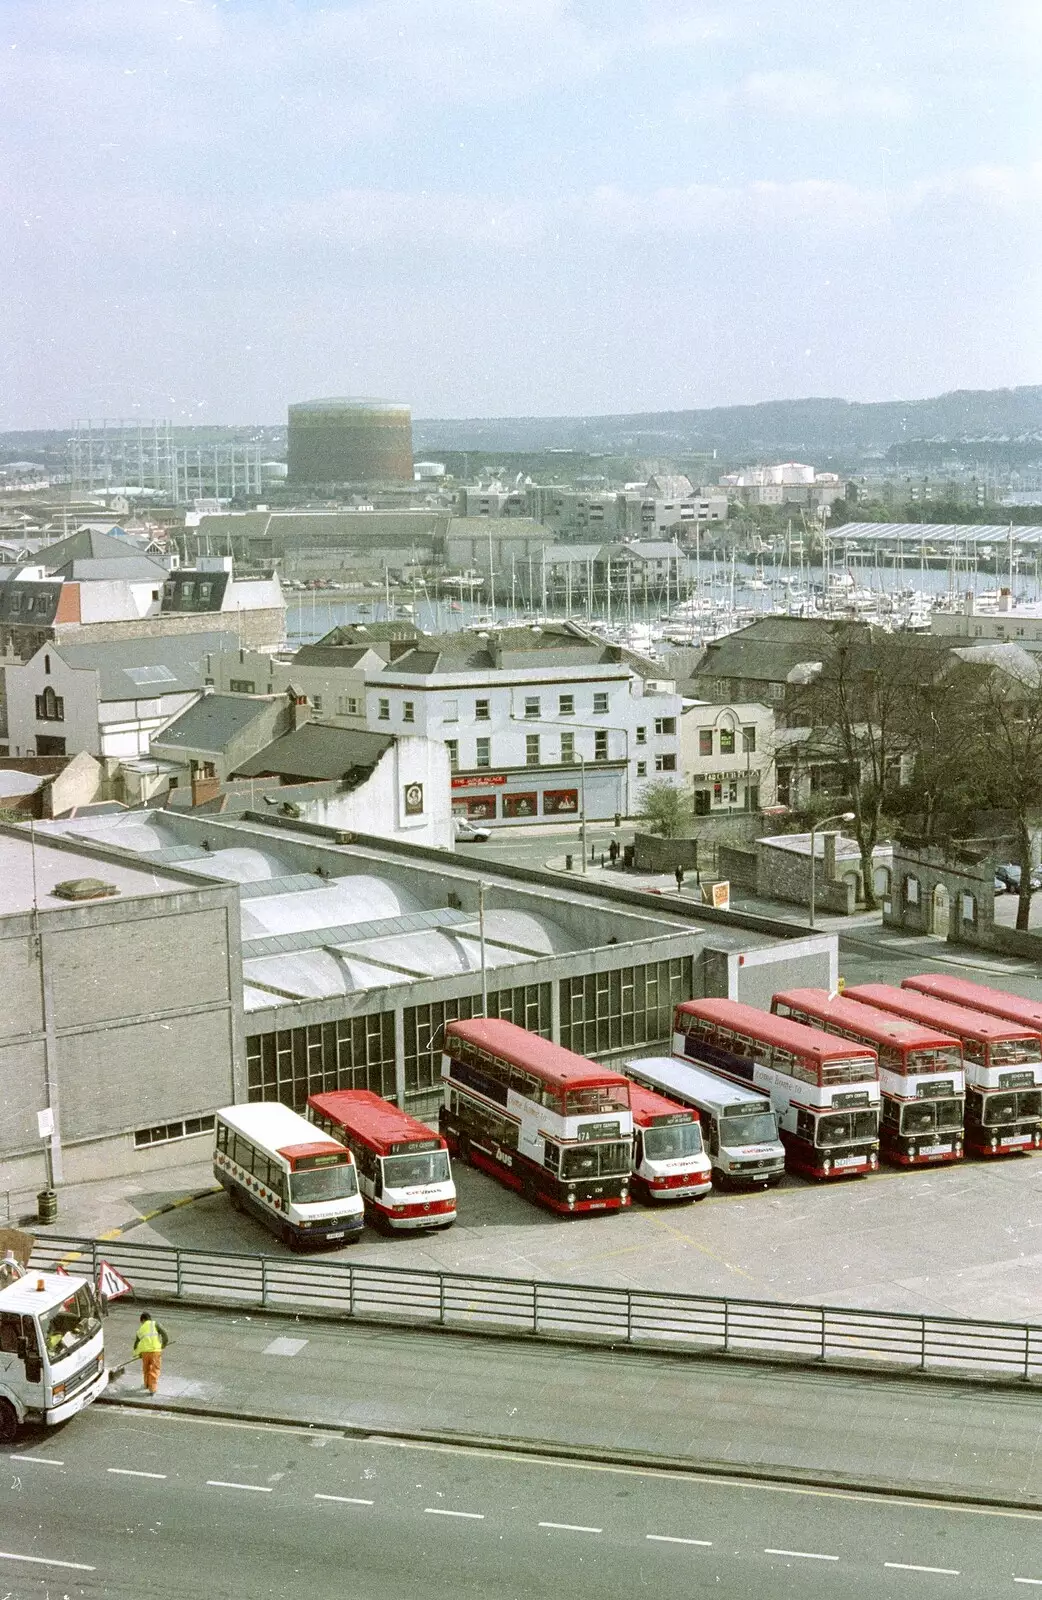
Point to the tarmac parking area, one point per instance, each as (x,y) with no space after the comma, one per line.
(963,1240)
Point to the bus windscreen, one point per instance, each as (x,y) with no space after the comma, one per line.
(750,1127)
(323,1183)
(404,1172)
(678,1139)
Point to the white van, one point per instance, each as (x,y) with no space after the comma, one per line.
(738,1124)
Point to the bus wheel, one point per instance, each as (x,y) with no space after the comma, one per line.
(8,1422)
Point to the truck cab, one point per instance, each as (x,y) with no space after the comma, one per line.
(52,1350)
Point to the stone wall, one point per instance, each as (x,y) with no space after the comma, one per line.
(944,893)
(655,854)
(738,866)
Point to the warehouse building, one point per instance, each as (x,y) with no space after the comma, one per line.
(336,965)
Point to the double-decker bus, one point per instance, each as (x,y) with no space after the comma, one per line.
(740,1127)
(1000,1060)
(920,1072)
(300,1183)
(979,997)
(403,1167)
(669,1159)
(826,1093)
(541,1119)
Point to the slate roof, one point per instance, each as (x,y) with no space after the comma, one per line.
(130,566)
(213,722)
(144,669)
(86,544)
(769,650)
(317,751)
(330,655)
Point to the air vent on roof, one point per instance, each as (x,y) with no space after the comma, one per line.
(84,889)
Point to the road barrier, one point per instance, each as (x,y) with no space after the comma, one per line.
(579,1313)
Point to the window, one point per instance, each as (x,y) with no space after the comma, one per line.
(642,769)
(642,735)
(911,891)
(568,747)
(600,704)
(241,686)
(600,745)
(520,805)
(384,712)
(450,711)
(727,741)
(452,746)
(47,665)
(167,1132)
(531,749)
(566,705)
(532,705)
(316,701)
(666,763)
(347,705)
(483,755)
(705,741)
(204,591)
(50,707)
(408,710)
(481,713)
(665,724)
(748,740)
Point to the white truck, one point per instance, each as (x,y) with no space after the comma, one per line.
(52,1350)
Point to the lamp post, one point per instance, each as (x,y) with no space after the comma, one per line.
(841,816)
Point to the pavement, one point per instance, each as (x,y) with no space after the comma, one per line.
(891,1434)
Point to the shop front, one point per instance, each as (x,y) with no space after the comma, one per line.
(536,794)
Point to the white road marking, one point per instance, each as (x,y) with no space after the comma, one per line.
(801,1555)
(40,1461)
(570,1527)
(1029,1580)
(669,1538)
(905,1566)
(128,1472)
(254,1488)
(344,1499)
(437,1511)
(44,1561)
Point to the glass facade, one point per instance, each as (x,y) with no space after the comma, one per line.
(630,1006)
(352,1053)
(528,1006)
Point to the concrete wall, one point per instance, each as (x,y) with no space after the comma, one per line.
(77,687)
(121,1015)
(382,804)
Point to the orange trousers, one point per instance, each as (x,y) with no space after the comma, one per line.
(151,1362)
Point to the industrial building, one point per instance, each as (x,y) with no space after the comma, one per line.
(261,957)
(350,442)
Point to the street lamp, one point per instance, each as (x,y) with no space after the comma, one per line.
(841,816)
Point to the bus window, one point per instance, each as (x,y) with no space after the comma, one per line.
(322,1183)
(427,1166)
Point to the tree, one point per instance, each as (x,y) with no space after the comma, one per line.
(663,806)
(861,696)
(1009,711)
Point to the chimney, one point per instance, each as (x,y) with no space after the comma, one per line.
(967,603)
(829,847)
(301,711)
(1005,600)
(205,783)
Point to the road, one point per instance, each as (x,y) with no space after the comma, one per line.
(123,1505)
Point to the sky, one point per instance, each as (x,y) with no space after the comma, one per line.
(513,207)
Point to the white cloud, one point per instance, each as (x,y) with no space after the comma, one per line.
(802,92)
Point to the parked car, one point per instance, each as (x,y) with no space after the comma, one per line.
(1009,873)
(1000,886)
(471,832)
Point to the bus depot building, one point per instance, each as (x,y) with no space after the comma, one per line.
(270,959)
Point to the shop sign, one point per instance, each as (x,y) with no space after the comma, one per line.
(483,780)
(414,799)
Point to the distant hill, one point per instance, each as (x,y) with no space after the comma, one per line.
(817,429)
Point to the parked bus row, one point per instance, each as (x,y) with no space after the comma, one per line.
(824,1084)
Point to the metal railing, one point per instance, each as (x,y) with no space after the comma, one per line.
(579,1313)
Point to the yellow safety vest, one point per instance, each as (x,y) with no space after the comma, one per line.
(148,1341)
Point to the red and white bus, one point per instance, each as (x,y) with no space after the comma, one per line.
(826,1095)
(403,1166)
(920,1072)
(541,1119)
(669,1159)
(301,1184)
(1000,1060)
(979,997)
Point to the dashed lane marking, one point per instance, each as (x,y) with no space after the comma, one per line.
(252,1488)
(801,1555)
(39,1461)
(570,1527)
(129,1472)
(47,1561)
(438,1511)
(906,1566)
(670,1538)
(344,1499)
